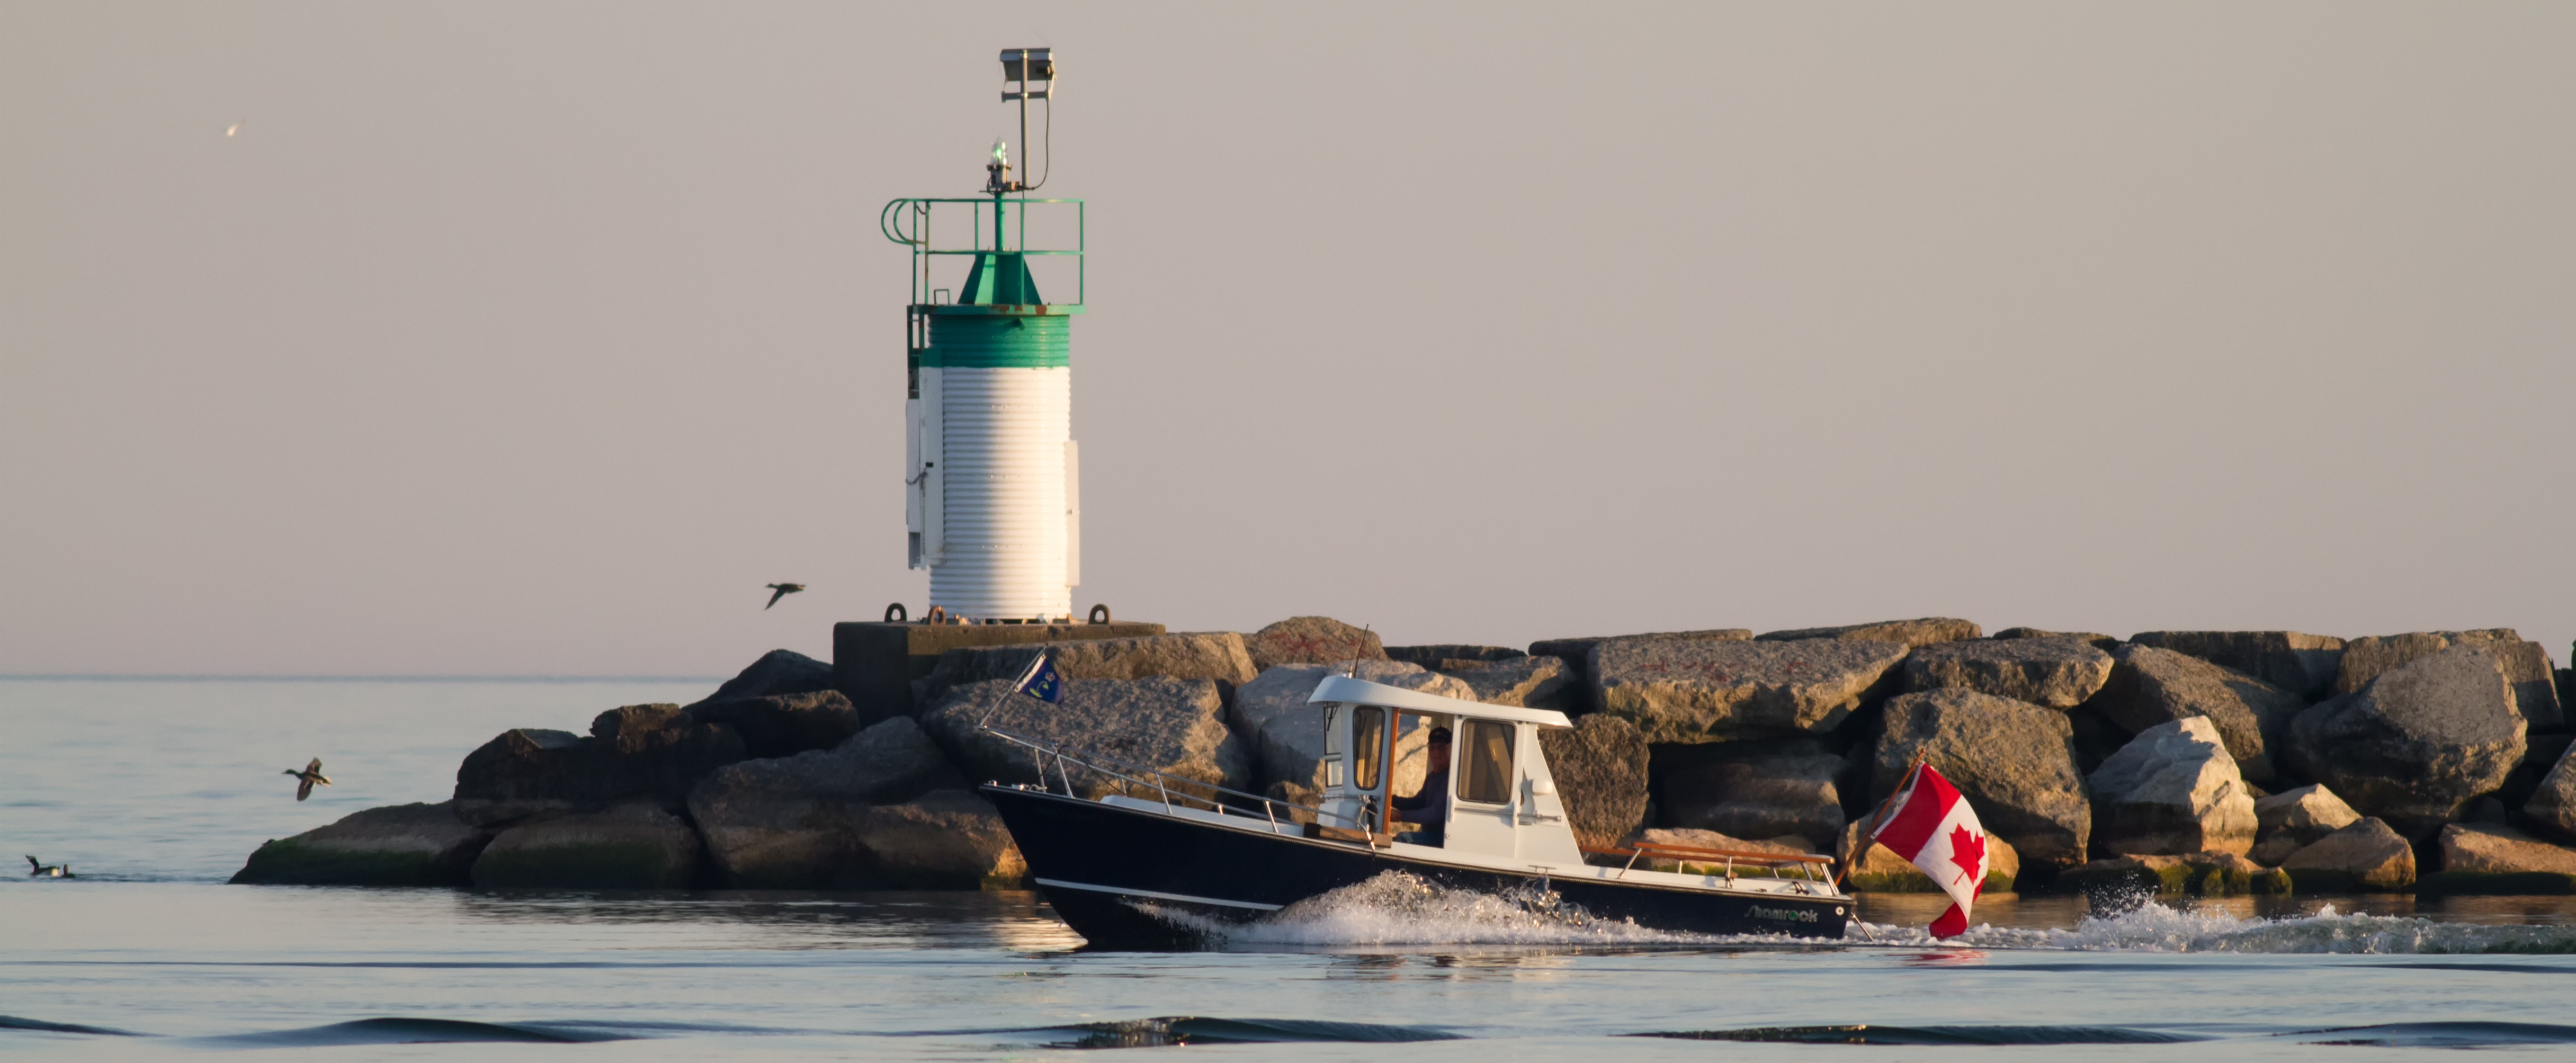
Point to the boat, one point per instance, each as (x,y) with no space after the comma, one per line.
(1132,857)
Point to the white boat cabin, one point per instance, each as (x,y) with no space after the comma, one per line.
(1493,798)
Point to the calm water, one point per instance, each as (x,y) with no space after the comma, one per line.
(155,791)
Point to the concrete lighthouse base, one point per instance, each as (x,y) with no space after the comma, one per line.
(874,664)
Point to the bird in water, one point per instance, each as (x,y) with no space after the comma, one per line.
(41,870)
(783,589)
(305,779)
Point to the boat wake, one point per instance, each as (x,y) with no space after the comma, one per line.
(1401,909)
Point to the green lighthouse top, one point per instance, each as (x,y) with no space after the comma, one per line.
(997,279)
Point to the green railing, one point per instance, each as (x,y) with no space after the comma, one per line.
(908,222)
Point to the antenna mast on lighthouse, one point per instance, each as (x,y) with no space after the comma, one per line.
(991,490)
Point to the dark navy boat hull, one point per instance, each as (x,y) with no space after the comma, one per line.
(1096,863)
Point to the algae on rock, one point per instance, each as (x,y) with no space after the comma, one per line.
(400,845)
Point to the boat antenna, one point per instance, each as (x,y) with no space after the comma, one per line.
(1353,671)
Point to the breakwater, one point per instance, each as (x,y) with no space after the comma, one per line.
(2200,762)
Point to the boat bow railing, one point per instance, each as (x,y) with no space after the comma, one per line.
(1809,867)
(1176,791)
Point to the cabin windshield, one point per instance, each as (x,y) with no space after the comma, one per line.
(1486,762)
(1368,745)
(1413,766)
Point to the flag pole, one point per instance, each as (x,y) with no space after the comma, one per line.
(1868,834)
(1014,688)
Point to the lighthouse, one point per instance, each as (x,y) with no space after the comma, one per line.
(992,502)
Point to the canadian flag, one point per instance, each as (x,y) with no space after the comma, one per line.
(1932,826)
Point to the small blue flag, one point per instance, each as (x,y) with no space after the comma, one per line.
(1042,683)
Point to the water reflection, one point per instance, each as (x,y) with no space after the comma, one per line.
(1014,920)
(1369,968)
(2062,911)
(2013,910)
(1945,958)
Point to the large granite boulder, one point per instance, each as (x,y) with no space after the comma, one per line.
(2149,687)
(1174,726)
(2098,641)
(2172,790)
(1285,735)
(782,725)
(634,846)
(1599,766)
(2492,849)
(1452,657)
(529,770)
(2123,882)
(944,839)
(1709,839)
(2096,737)
(776,672)
(1525,681)
(1311,640)
(2553,806)
(1749,791)
(799,822)
(400,845)
(1877,868)
(2057,672)
(1914,634)
(638,752)
(2418,742)
(2365,658)
(2367,857)
(2014,761)
(2540,754)
(2298,662)
(892,761)
(1215,655)
(2526,665)
(635,723)
(1577,652)
(658,755)
(2291,820)
(1678,690)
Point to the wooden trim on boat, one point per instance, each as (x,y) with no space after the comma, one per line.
(1345,834)
(1662,849)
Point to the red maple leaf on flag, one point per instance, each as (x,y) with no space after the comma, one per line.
(1968,850)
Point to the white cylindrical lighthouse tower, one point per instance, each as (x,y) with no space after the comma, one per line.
(991,498)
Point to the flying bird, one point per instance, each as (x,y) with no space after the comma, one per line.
(783,589)
(305,779)
(49,870)
(236,128)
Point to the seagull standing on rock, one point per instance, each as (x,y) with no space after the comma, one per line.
(783,589)
(305,779)
(49,870)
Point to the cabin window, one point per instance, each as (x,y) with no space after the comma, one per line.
(1368,745)
(1488,762)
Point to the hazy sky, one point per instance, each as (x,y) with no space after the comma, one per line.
(512,338)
